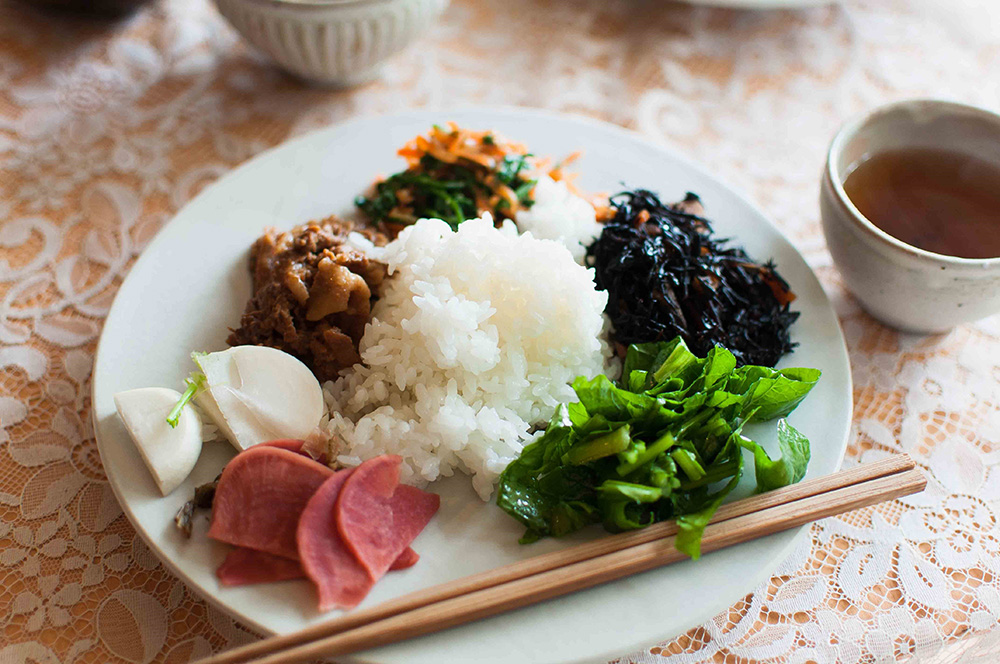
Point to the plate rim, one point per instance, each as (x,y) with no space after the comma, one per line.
(513,111)
(759,5)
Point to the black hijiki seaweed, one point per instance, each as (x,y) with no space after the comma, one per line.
(666,275)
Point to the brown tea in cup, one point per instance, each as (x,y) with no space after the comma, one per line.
(937,200)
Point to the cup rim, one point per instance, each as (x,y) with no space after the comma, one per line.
(849,129)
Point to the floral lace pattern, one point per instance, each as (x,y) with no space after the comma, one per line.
(108,127)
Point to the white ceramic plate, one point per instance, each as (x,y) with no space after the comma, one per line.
(192,282)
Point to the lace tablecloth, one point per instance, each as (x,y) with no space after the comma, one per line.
(107,128)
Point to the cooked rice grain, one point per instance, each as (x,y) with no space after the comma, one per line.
(474,340)
(559,214)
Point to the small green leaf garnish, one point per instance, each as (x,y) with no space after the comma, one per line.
(195,383)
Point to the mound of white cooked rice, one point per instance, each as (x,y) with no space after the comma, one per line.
(559,214)
(475,338)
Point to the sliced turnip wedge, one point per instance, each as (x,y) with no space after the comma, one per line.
(169,452)
(256,394)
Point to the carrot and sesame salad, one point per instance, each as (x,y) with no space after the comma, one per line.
(456,174)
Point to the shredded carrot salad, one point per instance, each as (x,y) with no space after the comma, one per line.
(456,174)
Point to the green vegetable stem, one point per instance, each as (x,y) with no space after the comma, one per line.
(195,384)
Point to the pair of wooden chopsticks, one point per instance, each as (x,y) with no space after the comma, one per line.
(582,566)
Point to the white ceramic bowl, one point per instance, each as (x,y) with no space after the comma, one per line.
(331,42)
(901,285)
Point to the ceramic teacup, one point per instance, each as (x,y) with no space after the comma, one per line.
(902,285)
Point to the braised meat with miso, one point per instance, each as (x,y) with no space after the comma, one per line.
(312,294)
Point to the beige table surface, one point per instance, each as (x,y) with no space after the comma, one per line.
(107,128)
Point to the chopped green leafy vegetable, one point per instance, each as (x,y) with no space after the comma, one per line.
(664,443)
(790,468)
(448,192)
(454,174)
